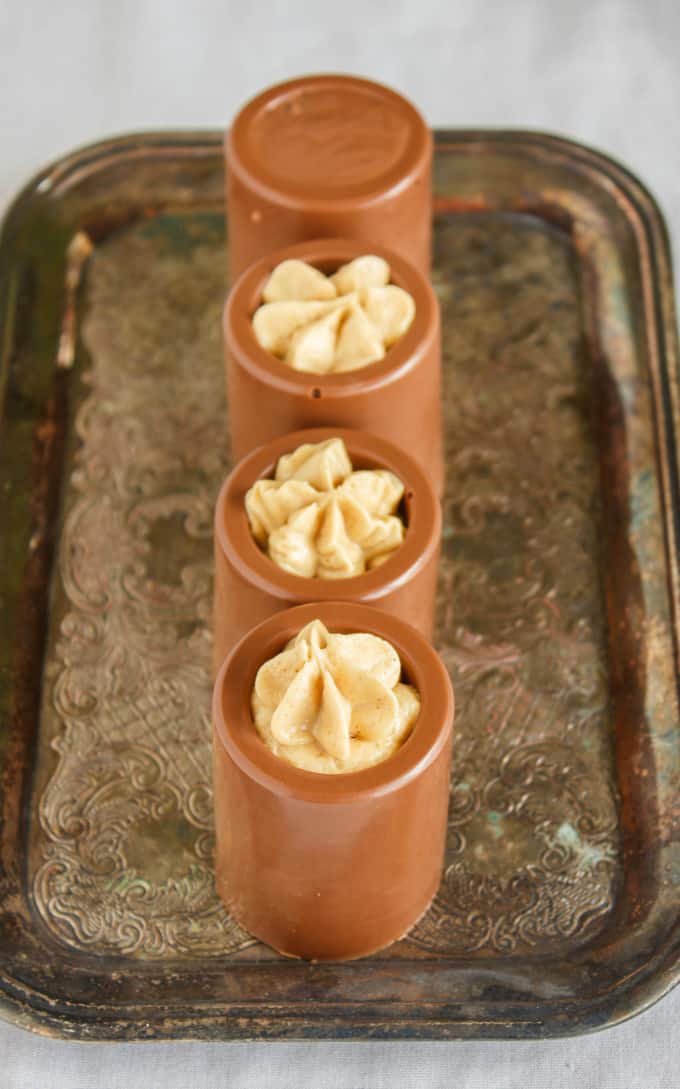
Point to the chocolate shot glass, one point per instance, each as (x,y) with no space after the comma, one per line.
(398,398)
(249,586)
(327,156)
(330,866)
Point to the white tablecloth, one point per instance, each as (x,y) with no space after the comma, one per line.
(603,71)
(641,1054)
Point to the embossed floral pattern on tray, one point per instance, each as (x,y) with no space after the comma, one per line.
(123,833)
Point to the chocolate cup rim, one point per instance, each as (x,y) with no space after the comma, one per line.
(242,164)
(236,542)
(237,735)
(405,354)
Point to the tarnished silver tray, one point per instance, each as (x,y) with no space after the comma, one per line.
(557,608)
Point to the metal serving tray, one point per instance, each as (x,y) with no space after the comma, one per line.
(557,609)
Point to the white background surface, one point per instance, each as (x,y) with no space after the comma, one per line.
(606,73)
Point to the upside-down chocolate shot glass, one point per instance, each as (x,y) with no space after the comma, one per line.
(325,865)
(397,396)
(250,586)
(323,156)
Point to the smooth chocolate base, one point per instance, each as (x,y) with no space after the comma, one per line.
(224,896)
(357,164)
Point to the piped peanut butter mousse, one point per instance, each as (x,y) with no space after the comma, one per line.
(331,324)
(319,518)
(333,703)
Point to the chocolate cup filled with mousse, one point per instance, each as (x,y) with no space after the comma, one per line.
(397,398)
(330,866)
(249,586)
(328,155)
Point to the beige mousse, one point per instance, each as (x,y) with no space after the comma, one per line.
(333,703)
(320,518)
(330,324)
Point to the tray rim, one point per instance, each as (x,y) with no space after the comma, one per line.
(27,1007)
